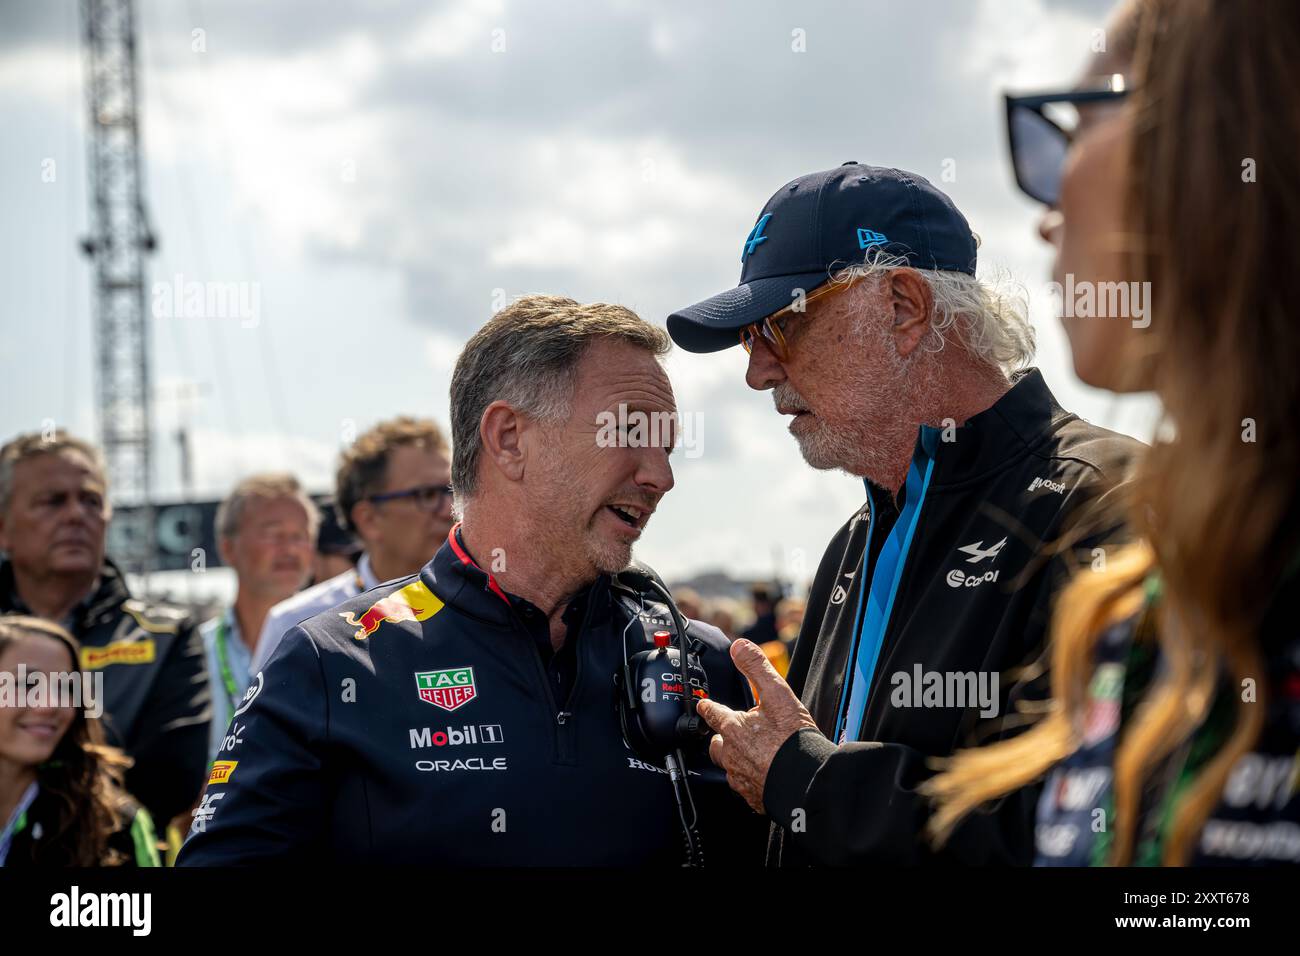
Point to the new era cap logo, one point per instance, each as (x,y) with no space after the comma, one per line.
(755,236)
(869,237)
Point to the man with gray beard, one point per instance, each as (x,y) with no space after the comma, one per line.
(860,310)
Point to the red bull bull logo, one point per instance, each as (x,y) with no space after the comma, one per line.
(415,602)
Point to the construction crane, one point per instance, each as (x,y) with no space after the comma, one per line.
(118,243)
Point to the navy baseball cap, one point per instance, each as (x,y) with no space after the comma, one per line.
(821,223)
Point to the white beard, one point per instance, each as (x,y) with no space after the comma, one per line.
(871,444)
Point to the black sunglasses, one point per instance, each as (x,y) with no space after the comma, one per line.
(1040,135)
(427,497)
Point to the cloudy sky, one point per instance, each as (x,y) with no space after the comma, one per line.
(384,173)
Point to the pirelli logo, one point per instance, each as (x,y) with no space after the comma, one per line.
(121,652)
(221,771)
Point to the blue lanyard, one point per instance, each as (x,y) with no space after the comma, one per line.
(864,582)
(876,598)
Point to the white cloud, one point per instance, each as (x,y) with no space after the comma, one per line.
(221,459)
(1020,43)
(51,75)
(454,30)
(591,205)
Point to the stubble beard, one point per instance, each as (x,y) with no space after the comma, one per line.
(591,553)
(877,441)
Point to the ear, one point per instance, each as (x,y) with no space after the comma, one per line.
(911,305)
(224,549)
(362,519)
(501,430)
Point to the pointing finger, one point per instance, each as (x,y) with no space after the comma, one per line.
(714,714)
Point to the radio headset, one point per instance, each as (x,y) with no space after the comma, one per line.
(657,699)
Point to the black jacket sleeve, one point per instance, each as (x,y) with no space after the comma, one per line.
(170,744)
(858,804)
(272,806)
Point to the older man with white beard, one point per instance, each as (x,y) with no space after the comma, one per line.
(860,310)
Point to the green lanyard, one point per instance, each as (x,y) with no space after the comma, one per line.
(18,821)
(223,661)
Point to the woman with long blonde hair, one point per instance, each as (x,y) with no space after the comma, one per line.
(1175,716)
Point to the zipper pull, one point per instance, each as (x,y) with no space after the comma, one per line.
(562,716)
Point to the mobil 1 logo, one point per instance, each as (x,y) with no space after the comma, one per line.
(471,734)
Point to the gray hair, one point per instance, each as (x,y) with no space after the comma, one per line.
(527,355)
(265,486)
(25,447)
(989,319)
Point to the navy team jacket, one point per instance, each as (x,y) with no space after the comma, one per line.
(414,724)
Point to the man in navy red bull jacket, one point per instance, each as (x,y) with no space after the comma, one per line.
(465,715)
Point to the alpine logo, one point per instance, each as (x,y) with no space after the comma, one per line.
(979,553)
(448,689)
(755,237)
(975,553)
(1057,486)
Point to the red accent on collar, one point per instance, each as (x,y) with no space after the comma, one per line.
(466,559)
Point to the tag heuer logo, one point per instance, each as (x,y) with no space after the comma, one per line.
(447,689)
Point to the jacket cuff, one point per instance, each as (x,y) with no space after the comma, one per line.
(792,772)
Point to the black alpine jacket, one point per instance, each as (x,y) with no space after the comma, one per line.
(990,503)
(415,724)
(157,703)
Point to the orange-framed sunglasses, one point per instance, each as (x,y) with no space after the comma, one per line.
(772,328)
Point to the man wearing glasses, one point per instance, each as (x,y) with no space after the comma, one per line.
(393,490)
(860,310)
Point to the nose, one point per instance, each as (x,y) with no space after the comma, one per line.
(654,473)
(74,509)
(1050,225)
(764,370)
(297,551)
(49,709)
